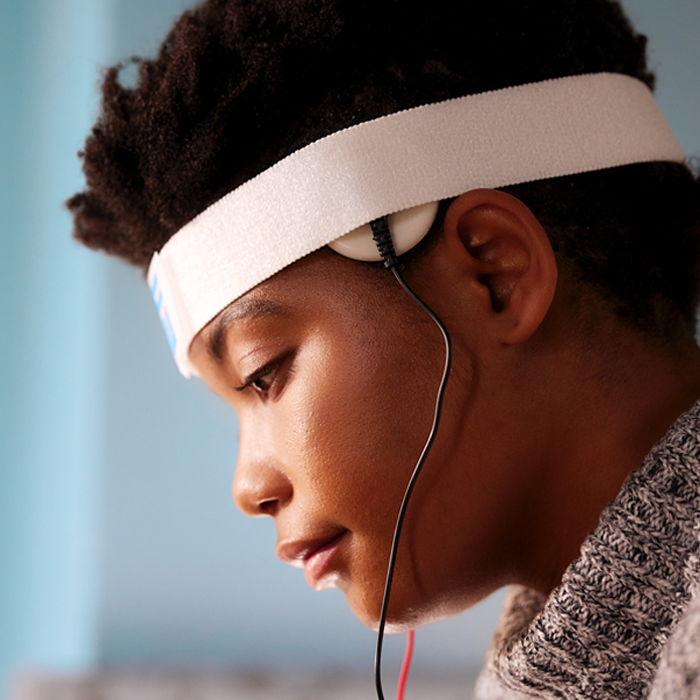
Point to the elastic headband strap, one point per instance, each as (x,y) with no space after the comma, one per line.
(340,182)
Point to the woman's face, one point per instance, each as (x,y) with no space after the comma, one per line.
(333,372)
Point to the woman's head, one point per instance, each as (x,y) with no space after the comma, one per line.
(333,372)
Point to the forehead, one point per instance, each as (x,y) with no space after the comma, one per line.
(246,308)
(321,284)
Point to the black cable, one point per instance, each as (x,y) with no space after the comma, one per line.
(380,233)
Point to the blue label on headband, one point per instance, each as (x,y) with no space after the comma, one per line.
(157,294)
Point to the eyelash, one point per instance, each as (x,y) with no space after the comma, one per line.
(250,381)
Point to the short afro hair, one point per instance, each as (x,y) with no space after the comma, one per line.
(239,84)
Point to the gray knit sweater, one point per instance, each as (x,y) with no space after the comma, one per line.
(624,623)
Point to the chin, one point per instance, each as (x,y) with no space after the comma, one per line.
(403,615)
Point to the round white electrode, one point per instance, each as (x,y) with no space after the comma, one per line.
(407,227)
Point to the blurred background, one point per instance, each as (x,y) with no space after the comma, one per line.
(120,547)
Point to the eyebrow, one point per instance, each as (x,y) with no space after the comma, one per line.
(243,309)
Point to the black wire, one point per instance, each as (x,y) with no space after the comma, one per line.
(378,229)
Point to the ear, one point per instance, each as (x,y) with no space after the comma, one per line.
(509,261)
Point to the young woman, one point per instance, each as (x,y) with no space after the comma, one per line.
(561,254)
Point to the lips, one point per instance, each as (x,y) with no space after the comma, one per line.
(317,556)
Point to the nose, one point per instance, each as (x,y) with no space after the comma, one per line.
(260,485)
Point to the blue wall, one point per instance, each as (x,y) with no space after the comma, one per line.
(119,543)
(52,334)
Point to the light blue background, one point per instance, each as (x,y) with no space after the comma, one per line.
(119,543)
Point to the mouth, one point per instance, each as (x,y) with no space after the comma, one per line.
(316,556)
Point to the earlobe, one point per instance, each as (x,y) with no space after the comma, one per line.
(508,257)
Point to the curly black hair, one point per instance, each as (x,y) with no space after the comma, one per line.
(239,84)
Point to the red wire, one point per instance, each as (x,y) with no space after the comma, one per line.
(406,665)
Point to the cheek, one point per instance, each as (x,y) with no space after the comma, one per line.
(354,423)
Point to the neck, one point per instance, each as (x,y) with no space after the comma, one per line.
(592,418)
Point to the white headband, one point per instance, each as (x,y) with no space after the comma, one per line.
(340,182)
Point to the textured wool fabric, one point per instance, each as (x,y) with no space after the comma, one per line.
(678,677)
(605,631)
(426,154)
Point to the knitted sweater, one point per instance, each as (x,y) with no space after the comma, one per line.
(626,608)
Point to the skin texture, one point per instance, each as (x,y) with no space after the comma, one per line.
(551,403)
